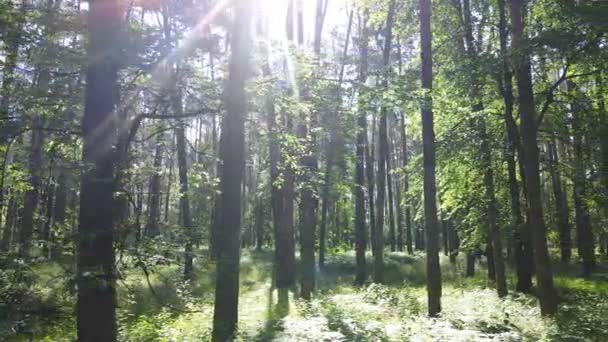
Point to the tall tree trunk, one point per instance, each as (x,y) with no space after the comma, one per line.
(391,202)
(225,315)
(182,167)
(360,226)
(259,226)
(12,42)
(59,212)
(48,219)
(31,198)
(433,279)
(9,225)
(529,130)
(153,225)
(584,234)
(496,267)
(383,152)
(408,218)
(95,308)
(521,241)
(561,211)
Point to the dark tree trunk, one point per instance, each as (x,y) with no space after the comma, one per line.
(521,241)
(225,315)
(259,226)
(360,226)
(59,212)
(96,318)
(369,170)
(561,210)
(184,196)
(496,267)
(391,204)
(529,129)
(48,218)
(30,203)
(433,271)
(453,242)
(153,225)
(584,234)
(470,267)
(9,225)
(408,218)
(383,153)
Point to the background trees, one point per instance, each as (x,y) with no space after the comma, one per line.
(155,150)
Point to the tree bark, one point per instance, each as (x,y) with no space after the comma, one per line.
(95,308)
(152,228)
(360,226)
(433,271)
(408,218)
(383,152)
(561,211)
(225,314)
(584,233)
(529,129)
(521,241)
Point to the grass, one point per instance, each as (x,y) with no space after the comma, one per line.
(394,311)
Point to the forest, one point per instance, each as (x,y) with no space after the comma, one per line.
(303,170)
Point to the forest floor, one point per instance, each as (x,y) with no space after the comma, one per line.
(160,307)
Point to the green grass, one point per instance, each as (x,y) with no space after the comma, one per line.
(339,311)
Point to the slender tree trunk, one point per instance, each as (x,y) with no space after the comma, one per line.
(95,308)
(521,243)
(496,267)
(48,219)
(383,152)
(529,129)
(408,218)
(59,213)
(184,196)
(584,233)
(225,315)
(259,226)
(360,226)
(153,225)
(11,213)
(31,198)
(391,204)
(428,141)
(561,211)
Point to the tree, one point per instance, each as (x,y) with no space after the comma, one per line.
(360,227)
(225,314)
(529,131)
(383,152)
(95,309)
(433,272)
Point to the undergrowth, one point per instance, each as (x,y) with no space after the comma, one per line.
(161,307)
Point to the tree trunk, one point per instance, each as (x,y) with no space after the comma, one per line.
(408,218)
(225,315)
(529,129)
(433,271)
(153,225)
(496,267)
(59,213)
(383,152)
(521,243)
(584,234)
(31,199)
(360,226)
(391,204)
(96,318)
(561,211)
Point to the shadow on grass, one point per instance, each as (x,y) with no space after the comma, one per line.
(275,314)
